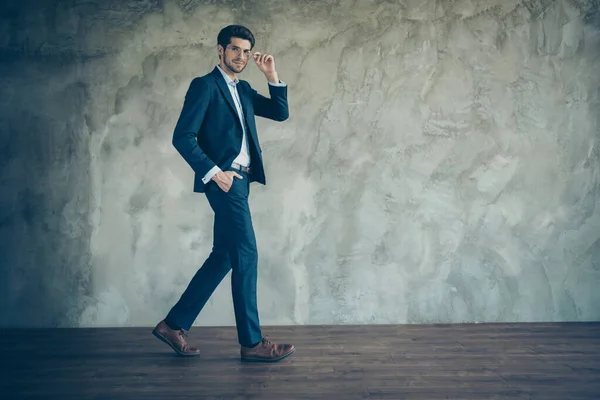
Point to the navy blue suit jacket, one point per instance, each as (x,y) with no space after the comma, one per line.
(209,131)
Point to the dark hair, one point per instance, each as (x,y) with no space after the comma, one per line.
(237,31)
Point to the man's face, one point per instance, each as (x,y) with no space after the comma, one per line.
(236,55)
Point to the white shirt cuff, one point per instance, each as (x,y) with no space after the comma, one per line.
(278,83)
(213,171)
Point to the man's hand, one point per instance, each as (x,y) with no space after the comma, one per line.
(224,179)
(266,63)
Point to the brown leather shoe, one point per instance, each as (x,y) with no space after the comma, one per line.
(175,339)
(267,351)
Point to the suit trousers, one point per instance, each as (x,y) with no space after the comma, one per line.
(234,248)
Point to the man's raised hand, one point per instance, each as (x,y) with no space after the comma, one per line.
(266,63)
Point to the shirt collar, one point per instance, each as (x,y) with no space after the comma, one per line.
(227,78)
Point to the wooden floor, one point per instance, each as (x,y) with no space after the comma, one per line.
(482,361)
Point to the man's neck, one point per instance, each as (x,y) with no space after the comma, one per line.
(229,73)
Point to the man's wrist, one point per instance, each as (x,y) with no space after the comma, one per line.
(272,77)
(210,174)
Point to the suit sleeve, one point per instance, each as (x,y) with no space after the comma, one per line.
(276,107)
(188,127)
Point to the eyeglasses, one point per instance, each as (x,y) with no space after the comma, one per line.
(240,51)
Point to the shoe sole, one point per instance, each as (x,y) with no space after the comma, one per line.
(163,339)
(256,359)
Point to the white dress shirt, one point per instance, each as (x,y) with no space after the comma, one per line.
(243,158)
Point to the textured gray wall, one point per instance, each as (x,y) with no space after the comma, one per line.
(441,162)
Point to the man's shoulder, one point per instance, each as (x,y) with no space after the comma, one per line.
(204,79)
(203,83)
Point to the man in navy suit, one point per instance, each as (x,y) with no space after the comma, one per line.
(216,135)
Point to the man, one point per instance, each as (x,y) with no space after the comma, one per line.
(216,135)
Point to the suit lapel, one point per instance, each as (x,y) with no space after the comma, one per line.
(245,100)
(248,110)
(224,90)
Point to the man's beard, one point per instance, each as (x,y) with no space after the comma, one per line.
(235,67)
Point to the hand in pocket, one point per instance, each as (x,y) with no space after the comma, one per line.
(224,179)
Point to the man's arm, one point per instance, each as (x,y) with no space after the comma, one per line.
(188,126)
(275,108)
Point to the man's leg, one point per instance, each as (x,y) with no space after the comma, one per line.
(244,264)
(207,278)
(201,287)
(241,247)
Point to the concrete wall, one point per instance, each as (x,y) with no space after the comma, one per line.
(441,162)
